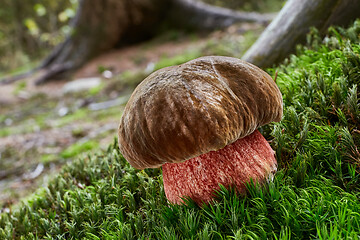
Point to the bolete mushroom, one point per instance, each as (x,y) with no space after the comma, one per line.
(199,122)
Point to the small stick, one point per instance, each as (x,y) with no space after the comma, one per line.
(276,74)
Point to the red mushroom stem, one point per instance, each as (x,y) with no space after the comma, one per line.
(248,158)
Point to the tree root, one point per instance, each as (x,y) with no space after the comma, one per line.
(201,16)
(56,72)
(12,79)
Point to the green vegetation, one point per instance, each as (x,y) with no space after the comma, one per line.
(176,60)
(78,148)
(30,29)
(315,193)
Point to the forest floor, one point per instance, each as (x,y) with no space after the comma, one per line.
(44,127)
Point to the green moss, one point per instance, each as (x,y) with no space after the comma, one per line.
(20,86)
(76,116)
(176,60)
(48,158)
(78,148)
(95,90)
(5,131)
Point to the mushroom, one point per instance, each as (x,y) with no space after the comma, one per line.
(199,121)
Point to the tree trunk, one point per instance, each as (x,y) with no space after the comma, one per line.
(100,25)
(292,24)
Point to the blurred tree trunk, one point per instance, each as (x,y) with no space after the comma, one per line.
(292,24)
(100,25)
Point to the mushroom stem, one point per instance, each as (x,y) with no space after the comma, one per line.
(248,158)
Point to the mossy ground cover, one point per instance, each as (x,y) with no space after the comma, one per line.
(315,193)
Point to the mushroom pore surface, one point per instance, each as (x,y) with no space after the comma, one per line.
(180,112)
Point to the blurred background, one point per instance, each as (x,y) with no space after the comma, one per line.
(30,29)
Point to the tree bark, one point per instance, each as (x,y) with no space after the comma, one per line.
(198,15)
(103,24)
(292,24)
(99,26)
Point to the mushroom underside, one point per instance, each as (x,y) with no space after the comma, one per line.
(236,164)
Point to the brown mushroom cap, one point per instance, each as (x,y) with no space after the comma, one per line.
(183,111)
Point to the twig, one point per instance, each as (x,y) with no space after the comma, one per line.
(12,79)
